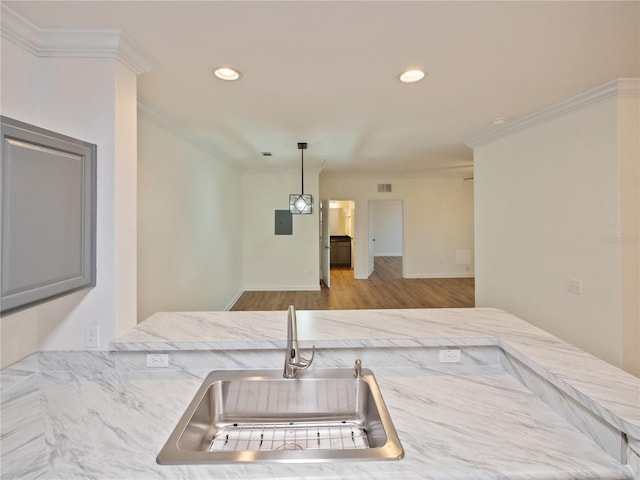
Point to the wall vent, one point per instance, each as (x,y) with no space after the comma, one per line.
(384,187)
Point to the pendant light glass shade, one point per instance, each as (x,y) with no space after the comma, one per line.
(301,204)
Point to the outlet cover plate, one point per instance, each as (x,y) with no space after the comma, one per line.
(449,356)
(92,336)
(157,360)
(574,286)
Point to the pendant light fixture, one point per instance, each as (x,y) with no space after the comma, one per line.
(301,204)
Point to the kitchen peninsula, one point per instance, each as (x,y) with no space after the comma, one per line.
(520,403)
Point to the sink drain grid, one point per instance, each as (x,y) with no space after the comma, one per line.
(290,436)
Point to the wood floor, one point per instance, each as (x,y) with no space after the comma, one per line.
(384,289)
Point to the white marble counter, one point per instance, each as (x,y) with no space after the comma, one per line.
(607,390)
(521,405)
(493,427)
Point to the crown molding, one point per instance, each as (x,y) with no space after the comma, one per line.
(74,43)
(628,87)
(19,30)
(165,122)
(135,57)
(623,87)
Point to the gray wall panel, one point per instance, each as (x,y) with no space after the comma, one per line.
(48,214)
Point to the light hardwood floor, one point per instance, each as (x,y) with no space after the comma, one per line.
(384,289)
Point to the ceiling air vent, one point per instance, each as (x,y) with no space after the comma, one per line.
(266,154)
(384,187)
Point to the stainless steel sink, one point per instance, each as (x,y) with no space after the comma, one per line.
(257,416)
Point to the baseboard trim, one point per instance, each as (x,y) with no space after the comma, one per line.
(439,275)
(282,288)
(234,300)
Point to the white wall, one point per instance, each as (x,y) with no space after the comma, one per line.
(629,176)
(79,97)
(548,209)
(387,228)
(190,225)
(125,198)
(438,220)
(341,218)
(19,82)
(279,262)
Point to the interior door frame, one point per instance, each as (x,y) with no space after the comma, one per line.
(325,242)
(370,238)
(371,232)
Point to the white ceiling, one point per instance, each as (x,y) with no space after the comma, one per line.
(326,72)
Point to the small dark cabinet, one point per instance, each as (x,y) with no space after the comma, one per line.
(340,251)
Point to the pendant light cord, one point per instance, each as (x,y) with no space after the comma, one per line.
(302,169)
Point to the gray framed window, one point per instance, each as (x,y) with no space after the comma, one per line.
(48,214)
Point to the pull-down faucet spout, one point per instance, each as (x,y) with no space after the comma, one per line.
(293,361)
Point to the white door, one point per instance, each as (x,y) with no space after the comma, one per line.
(325,243)
(371,237)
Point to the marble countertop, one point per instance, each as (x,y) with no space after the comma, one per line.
(608,391)
(112,426)
(96,415)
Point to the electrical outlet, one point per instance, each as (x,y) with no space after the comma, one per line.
(92,336)
(574,286)
(450,356)
(157,360)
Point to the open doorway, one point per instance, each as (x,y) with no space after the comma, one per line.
(337,238)
(385,231)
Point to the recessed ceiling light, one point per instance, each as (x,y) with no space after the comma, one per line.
(411,76)
(226,73)
(499,120)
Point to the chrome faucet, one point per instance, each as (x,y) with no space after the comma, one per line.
(293,361)
(357,368)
